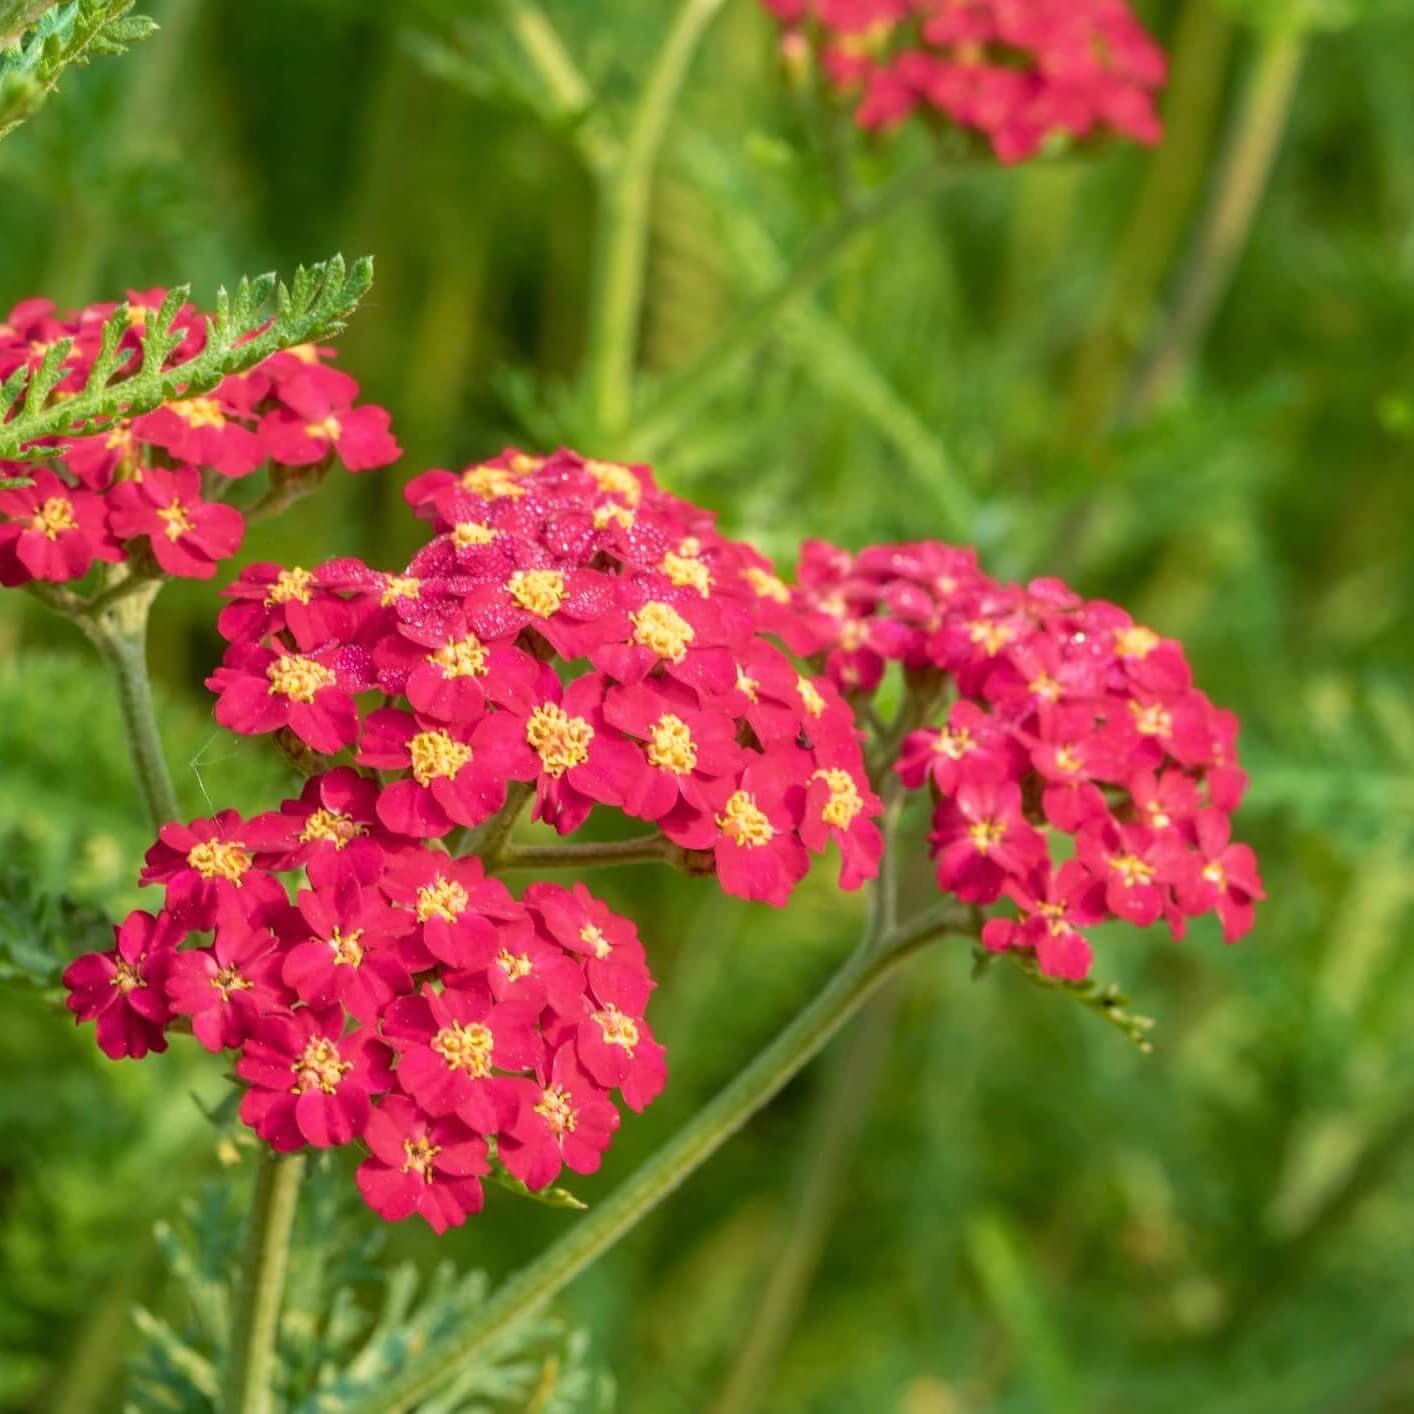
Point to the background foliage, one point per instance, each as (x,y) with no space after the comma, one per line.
(1035,1217)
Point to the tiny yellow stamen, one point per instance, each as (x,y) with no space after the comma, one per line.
(561,741)
(463,658)
(220,859)
(319,1067)
(662,629)
(298,678)
(290,585)
(466,1047)
(436,756)
(442,898)
(539,592)
(744,822)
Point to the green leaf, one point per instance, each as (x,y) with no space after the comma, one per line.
(39,932)
(240,335)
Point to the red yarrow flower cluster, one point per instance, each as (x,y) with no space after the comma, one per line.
(1021,73)
(403,999)
(156,483)
(573,631)
(1075,770)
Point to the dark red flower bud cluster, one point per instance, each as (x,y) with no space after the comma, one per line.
(1075,770)
(1019,72)
(573,628)
(403,999)
(157,481)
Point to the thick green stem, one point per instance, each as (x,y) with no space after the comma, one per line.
(644,849)
(822,1177)
(255,1316)
(627,207)
(684,394)
(1241,180)
(121,637)
(593,1235)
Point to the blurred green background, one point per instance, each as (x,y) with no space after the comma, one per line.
(1032,1215)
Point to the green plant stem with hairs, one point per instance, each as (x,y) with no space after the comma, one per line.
(255,1313)
(868,968)
(626,196)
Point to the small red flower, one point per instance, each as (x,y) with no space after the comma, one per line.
(228,987)
(308,1084)
(616,1048)
(316,423)
(613,956)
(455,904)
(982,838)
(1221,877)
(311,693)
(427,1167)
(188,536)
(124,989)
(210,870)
(566,1123)
(51,532)
(202,431)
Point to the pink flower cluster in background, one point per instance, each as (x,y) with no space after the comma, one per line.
(1018,72)
(573,628)
(157,482)
(1075,771)
(403,999)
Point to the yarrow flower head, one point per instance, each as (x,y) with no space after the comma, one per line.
(1075,772)
(573,633)
(1022,76)
(404,1000)
(154,486)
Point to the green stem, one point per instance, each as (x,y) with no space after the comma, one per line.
(823,1175)
(593,1235)
(627,205)
(644,849)
(121,637)
(1241,180)
(255,1316)
(684,394)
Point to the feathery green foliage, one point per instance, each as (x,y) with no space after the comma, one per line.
(39,42)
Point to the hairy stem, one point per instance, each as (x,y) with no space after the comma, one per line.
(681,396)
(627,205)
(822,1176)
(595,1234)
(1241,180)
(643,849)
(255,1315)
(121,637)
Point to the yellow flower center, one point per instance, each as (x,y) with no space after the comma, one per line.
(1131,869)
(54,517)
(562,741)
(442,898)
(176,520)
(765,585)
(199,412)
(613,514)
(420,1153)
(954,743)
(120,439)
(220,859)
(617,1029)
(538,592)
(306,353)
(1150,719)
(491,483)
(810,696)
(844,802)
(126,976)
(660,627)
(744,823)
(1054,914)
(436,756)
(514,965)
(290,585)
(1213,874)
(319,1067)
(331,826)
(466,533)
(987,834)
(1136,641)
(298,678)
(990,637)
(137,316)
(596,940)
(615,480)
(747,685)
(400,586)
(326,430)
(466,1047)
(1069,760)
(671,747)
(1045,687)
(556,1110)
(686,572)
(522,464)
(464,658)
(228,980)
(346,947)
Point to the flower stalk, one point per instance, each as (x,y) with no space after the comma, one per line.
(593,1235)
(255,1317)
